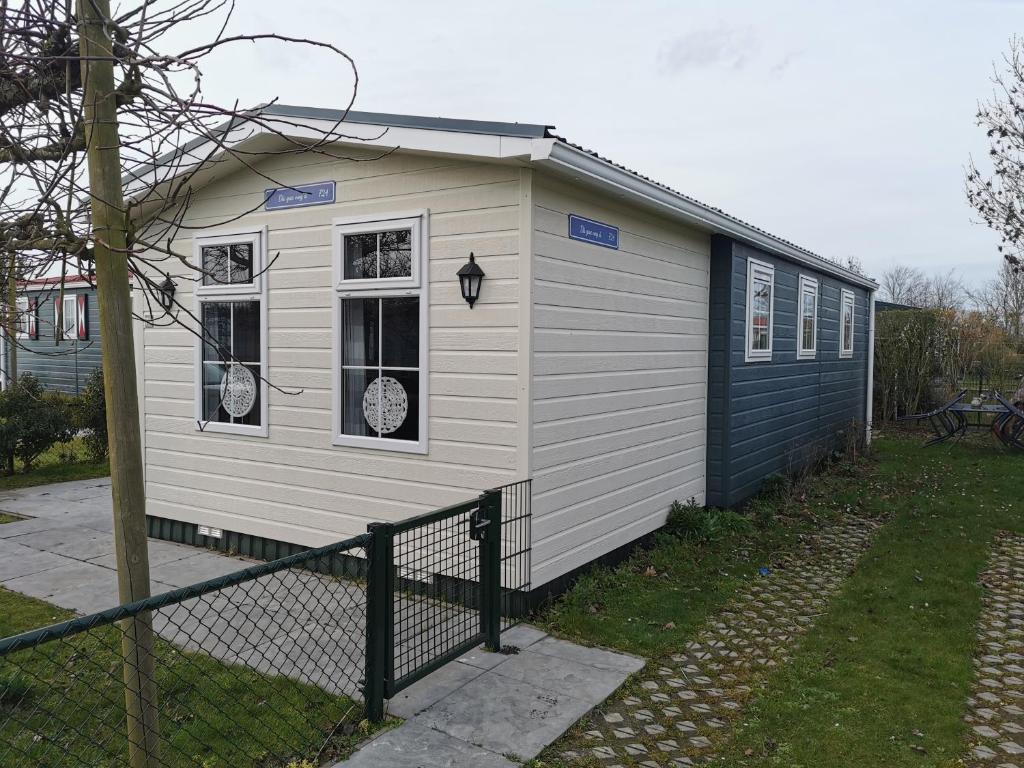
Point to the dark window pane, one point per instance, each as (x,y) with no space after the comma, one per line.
(212,375)
(241,263)
(361,257)
(396,253)
(246,324)
(401,328)
(215,264)
(360,326)
(216,319)
(401,419)
(354,384)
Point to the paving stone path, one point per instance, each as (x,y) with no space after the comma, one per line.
(683,705)
(996,706)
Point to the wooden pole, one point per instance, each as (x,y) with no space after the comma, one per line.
(119,379)
(10,338)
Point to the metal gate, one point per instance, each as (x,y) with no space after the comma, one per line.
(439,585)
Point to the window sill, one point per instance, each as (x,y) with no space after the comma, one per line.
(806,355)
(221,428)
(764,357)
(379,444)
(846,355)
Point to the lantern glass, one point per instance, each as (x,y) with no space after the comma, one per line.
(470,278)
(167,289)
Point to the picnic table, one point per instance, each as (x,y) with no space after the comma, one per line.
(953,420)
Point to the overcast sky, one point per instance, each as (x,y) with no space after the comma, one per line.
(841,126)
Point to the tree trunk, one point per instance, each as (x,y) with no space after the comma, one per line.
(119,379)
(11,331)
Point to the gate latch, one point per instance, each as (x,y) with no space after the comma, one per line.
(478,525)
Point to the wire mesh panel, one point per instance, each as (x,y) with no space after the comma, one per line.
(436,595)
(257,668)
(516,518)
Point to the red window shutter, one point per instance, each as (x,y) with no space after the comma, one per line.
(83,319)
(33,318)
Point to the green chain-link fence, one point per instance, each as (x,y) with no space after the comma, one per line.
(279,662)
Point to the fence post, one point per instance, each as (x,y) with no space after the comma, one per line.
(379,619)
(490,570)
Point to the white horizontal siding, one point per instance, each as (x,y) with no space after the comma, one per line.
(619,385)
(294,485)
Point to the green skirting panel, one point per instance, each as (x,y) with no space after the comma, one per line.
(246,545)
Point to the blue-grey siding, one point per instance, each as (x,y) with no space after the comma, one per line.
(61,365)
(767,418)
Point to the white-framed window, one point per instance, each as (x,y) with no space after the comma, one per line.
(380,332)
(760,310)
(807,314)
(846,323)
(65,322)
(231,357)
(21,320)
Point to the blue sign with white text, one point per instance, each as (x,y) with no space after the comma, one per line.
(298,196)
(590,231)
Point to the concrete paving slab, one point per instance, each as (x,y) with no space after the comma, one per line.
(76,543)
(30,525)
(505,716)
(594,657)
(93,598)
(522,636)
(414,745)
(72,575)
(481,658)
(200,567)
(431,689)
(561,675)
(17,560)
(159,554)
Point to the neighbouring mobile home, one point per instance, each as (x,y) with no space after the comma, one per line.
(57,332)
(625,345)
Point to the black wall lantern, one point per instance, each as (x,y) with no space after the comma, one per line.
(470,277)
(166,296)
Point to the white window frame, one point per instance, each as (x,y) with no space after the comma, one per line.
(21,308)
(387,223)
(807,285)
(764,269)
(230,289)
(415,285)
(847,299)
(61,331)
(254,291)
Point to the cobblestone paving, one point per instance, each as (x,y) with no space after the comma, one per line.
(996,707)
(684,704)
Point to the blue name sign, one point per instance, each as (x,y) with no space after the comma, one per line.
(298,196)
(590,231)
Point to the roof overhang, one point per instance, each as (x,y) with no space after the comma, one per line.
(280,128)
(586,168)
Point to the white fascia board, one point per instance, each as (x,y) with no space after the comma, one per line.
(246,138)
(583,166)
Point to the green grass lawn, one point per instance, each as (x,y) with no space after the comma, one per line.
(212,715)
(652,603)
(63,462)
(882,679)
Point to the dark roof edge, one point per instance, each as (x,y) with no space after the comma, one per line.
(715,219)
(518,130)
